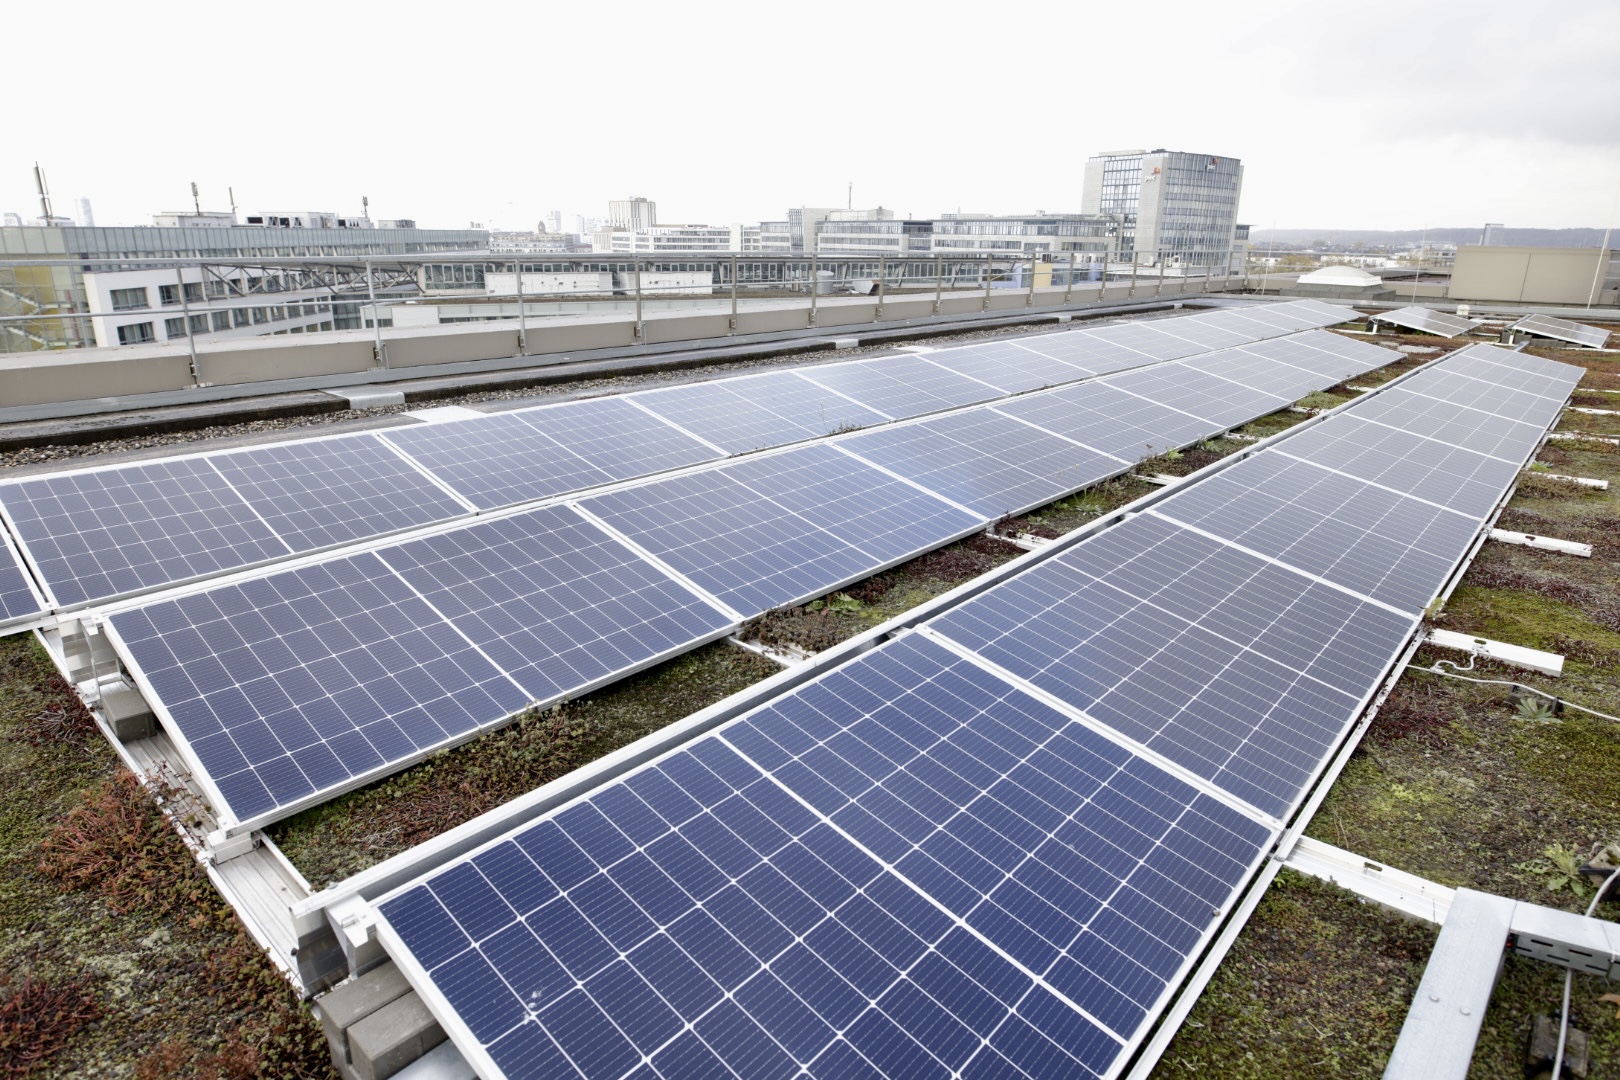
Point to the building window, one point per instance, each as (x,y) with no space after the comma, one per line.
(169,294)
(240,317)
(136,333)
(194,292)
(199,324)
(128,299)
(174,328)
(222,320)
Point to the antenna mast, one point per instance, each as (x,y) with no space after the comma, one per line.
(44,193)
(196,203)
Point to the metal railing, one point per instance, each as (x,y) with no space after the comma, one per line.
(348,287)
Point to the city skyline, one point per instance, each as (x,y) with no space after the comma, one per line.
(1437,117)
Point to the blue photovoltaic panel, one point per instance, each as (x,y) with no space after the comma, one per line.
(765,532)
(1466,481)
(904,869)
(497,460)
(300,682)
(1084,348)
(107,532)
(1147,339)
(1511,440)
(901,386)
(1557,373)
(1593,337)
(1490,364)
(985,460)
(1277,380)
(1180,386)
(1330,355)
(331,491)
(618,438)
(1014,367)
(552,600)
(1429,322)
(757,412)
(18,599)
(1458,389)
(1110,420)
(1203,332)
(1390,547)
(1242,671)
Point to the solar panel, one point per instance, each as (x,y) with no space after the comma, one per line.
(1180,386)
(1242,671)
(289,686)
(1593,337)
(1484,433)
(766,532)
(330,491)
(1479,364)
(1085,349)
(1112,421)
(1427,468)
(1429,322)
(617,437)
(1284,383)
(18,597)
(1375,542)
(1330,355)
(1202,332)
(1459,389)
(1012,367)
(906,868)
(497,460)
(1147,339)
(106,532)
(1555,372)
(984,460)
(900,386)
(757,412)
(553,601)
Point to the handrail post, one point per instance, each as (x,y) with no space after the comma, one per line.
(883,282)
(1029,297)
(939,279)
(1068,288)
(376,318)
(523,317)
(1158,260)
(987,268)
(734,294)
(1131,294)
(635,265)
(191,342)
(815,287)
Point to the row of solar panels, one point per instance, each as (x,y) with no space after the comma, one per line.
(96,534)
(1426,320)
(285,688)
(1592,337)
(994,846)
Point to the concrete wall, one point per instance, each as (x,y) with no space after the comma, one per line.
(1529,275)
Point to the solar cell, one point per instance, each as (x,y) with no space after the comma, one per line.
(18,597)
(1110,420)
(330,491)
(1429,322)
(761,533)
(1390,547)
(1469,482)
(756,412)
(497,460)
(905,868)
(901,386)
(291,685)
(1593,337)
(552,600)
(985,460)
(617,437)
(1240,670)
(1011,367)
(1455,425)
(108,532)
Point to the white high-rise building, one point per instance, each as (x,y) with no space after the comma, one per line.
(632,213)
(1177,209)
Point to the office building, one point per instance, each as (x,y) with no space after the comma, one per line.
(632,213)
(1176,209)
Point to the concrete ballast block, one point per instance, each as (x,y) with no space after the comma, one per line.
(383,1043)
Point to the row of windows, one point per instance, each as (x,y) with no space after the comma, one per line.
(175,328)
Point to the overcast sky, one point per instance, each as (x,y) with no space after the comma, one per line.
(1374,115)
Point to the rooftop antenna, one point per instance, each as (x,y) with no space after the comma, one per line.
(850,204)
(44,193)
(230,193)
(195,202)
(365,207)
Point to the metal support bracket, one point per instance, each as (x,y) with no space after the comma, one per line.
(1517,655)
(1544,543)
